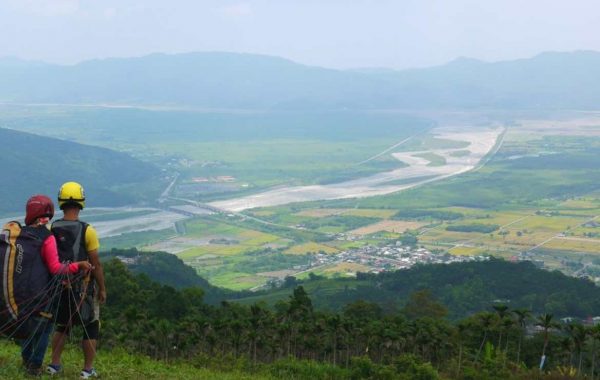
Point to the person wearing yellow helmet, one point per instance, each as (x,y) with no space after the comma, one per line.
(71,193)
(76,241)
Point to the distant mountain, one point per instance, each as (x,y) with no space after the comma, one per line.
(33,164)
(246,81)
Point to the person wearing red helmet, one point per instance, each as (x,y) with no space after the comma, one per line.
(39,259)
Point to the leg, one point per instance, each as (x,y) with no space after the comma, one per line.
(58,344)
(89,352)
(63,327)
(40,344)
(34,347)
(89,342)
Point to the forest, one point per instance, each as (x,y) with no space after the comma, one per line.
(292,338)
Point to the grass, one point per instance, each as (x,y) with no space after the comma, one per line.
(248,240)
(466,251)
(237,280)
(425,142)
(587,245)
(117,364)
(272,162)
(338,270)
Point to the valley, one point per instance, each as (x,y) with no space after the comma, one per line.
(525,190)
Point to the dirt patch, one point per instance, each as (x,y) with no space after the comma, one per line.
(398,226)
(346,268)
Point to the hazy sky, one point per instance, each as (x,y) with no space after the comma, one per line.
(330,33)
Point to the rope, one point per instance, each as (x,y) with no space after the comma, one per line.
(41,301)
(26,302)
(39,325)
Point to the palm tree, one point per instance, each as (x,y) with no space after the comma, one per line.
(578,334)
(546,323)
(594,333)
(486,320)
(334,326)
(522,316)
(507,324)
(461,330)
(501,311)
(256,321)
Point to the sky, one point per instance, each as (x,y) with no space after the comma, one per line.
(330,33)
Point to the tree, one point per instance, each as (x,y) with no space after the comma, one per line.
(486,321)
(577,333)
(422,304)
(334,326)
(522,316)
(501,311)
(594,333)
(545,321)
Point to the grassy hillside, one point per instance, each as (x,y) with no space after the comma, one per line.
(118,364)
(34,164)
(245,81)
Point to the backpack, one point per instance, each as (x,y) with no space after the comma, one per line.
(26,288)
(70,239)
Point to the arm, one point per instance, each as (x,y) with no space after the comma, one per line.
(50,257)
(98,274)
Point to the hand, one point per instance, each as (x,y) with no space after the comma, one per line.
(84,266)
(102,296)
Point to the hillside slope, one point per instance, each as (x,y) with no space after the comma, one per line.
(118,364)
(246,81)
(168,269)
(34,164)
(464,288)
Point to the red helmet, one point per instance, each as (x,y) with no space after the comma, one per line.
(38,206)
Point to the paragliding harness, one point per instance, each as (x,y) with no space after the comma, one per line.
(70,239)
(27,286)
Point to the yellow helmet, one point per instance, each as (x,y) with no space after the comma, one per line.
(71,193)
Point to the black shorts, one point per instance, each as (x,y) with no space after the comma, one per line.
(71,311)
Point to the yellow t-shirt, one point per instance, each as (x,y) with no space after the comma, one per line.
(91,239)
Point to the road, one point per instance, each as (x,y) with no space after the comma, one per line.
(165,194)
(385,151)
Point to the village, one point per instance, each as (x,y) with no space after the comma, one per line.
(377,259)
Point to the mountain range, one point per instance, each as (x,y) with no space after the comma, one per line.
(216,80)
